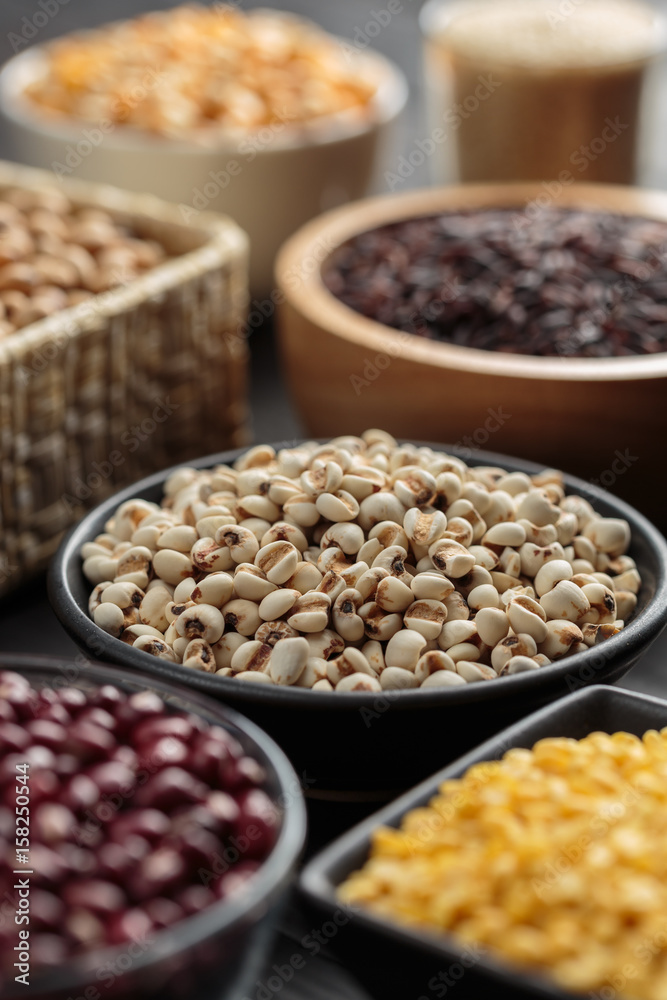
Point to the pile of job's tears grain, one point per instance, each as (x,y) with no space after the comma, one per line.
(361,565)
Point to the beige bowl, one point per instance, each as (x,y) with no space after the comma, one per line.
(270,186)
(597,418)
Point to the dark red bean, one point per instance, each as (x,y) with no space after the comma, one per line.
(73,699)
(198,847)
(241,773)
(224,808)
(129,925)
(107,697)
(117,862)
(52,867)
(152,729)
(79,860)
(95,895)
(47,950)
(158,874)
(7,713)
(85,929)
(170,787)
(125,755)
(47,734)
(138,706)
(80,793)
(13,738)
(258,822)
(94,742)
(46,910)
(151,824)
(112,778)
(98,716)
(163,752)
(53,822)
(163,912)
(66,765)
(54,712)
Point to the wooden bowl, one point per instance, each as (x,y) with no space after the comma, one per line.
(595,418)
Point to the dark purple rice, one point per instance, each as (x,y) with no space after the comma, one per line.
(559,282)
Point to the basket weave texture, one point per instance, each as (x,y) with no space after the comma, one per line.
(124,384)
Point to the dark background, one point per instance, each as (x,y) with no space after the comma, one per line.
(26,621)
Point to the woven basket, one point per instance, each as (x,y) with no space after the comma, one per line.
(123,384)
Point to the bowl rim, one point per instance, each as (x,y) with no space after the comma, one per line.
(386,104)
(301,259)
(222,914)
(316,881)
(635,638)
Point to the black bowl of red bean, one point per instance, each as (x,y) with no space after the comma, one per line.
(147,835)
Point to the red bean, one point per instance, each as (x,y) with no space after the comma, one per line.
(112,778)
(107,697)
(47,734)
(98,716)
(152,729)
(117,862)
(198,847)
(7,713)
(72,698)
(46,910)
(162,752)
(163,912)
(85,929)
(53,822)
(66,764)
(80,793)
(241,773)
(47,950)
(130,925)
(152,824)
(159,873)
(258,822)
(90,740)
(224,808)
(13,738)
(54,713)
(171,787)
(95,895)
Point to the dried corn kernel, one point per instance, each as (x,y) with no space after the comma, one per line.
(553,859)
(202,72)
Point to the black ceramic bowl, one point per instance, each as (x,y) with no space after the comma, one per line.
(369,743)
(394,961)
(214,954)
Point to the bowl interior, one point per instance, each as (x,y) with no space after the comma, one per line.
(419,956)
(224,919)
(31,65)
(303,286)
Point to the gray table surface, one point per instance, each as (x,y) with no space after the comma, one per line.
(27,623)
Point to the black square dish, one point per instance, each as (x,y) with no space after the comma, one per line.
(394,961)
